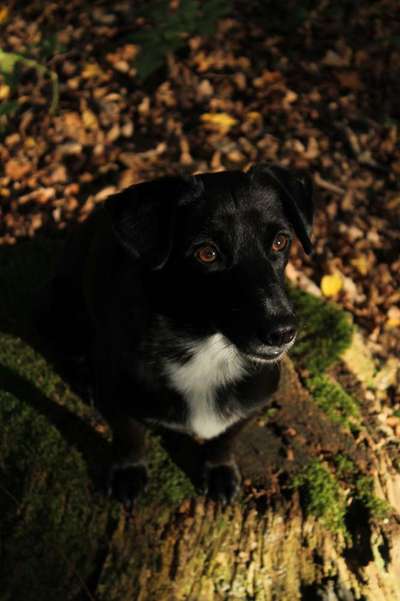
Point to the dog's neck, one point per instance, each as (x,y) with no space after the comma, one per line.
(209,373)
(212,363)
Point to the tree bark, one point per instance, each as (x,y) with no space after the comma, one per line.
(265,547)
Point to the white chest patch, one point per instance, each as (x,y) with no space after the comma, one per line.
(214,362)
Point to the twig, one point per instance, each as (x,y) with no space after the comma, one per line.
(323,183)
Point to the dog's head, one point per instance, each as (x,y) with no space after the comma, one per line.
(214,248)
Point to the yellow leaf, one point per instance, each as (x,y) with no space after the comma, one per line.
(393,320)
(289,98)
(30,142)
(89,119)
(361,264)
(254,116)
(331,285)
(4,91)
(91,70)
(3,14)
(221,121)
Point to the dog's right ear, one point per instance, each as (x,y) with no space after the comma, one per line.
(143,216)
(296,192)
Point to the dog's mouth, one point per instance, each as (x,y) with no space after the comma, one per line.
(264,357)
(268,355)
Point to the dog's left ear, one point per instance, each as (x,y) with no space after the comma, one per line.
(296,188)
(143,216)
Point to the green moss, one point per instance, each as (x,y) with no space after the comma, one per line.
(325,331)
(51,524)
(333,400)
(322,495)
(168,484)
(345,467)
(364,492)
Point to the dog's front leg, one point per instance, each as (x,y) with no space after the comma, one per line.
(221,475)
(128,475)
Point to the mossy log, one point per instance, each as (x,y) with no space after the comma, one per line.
(320,510)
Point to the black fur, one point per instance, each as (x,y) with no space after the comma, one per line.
(140,299)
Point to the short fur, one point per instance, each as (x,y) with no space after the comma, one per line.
(172,341)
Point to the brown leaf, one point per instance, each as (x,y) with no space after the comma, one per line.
(16,169)
(350,79)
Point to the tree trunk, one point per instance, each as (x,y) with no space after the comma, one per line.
(265,547)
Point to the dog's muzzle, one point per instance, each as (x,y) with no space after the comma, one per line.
(272,344)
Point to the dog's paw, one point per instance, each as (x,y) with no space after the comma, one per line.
(127,481)
(221,482)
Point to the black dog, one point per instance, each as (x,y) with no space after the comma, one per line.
(177,288)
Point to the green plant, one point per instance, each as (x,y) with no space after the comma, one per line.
(167,30)
(9,62)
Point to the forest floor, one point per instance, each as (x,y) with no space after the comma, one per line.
(314,88)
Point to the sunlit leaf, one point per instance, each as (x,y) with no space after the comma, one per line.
(221,121)
(331,285)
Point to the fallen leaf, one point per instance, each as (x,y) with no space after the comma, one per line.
(89,119)
(254,116)
(289,98)
(393,320)
(144,106)
(333,59)
(92,70)
(30,142)
(361,263)
(219,121)
(41,196)
(104,193)
(350,79)
(69,148)
(17,169)
(267,78)
(312,150)
(331,285)
(3,14)
(4,91)
(236,156)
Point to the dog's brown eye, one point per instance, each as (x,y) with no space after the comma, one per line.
(206,254)
(280,242)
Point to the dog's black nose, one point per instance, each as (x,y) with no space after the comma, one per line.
(279,335)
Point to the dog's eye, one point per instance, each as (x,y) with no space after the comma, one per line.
(280,242)
(206,253)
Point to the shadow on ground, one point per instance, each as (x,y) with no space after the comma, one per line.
(24,271)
